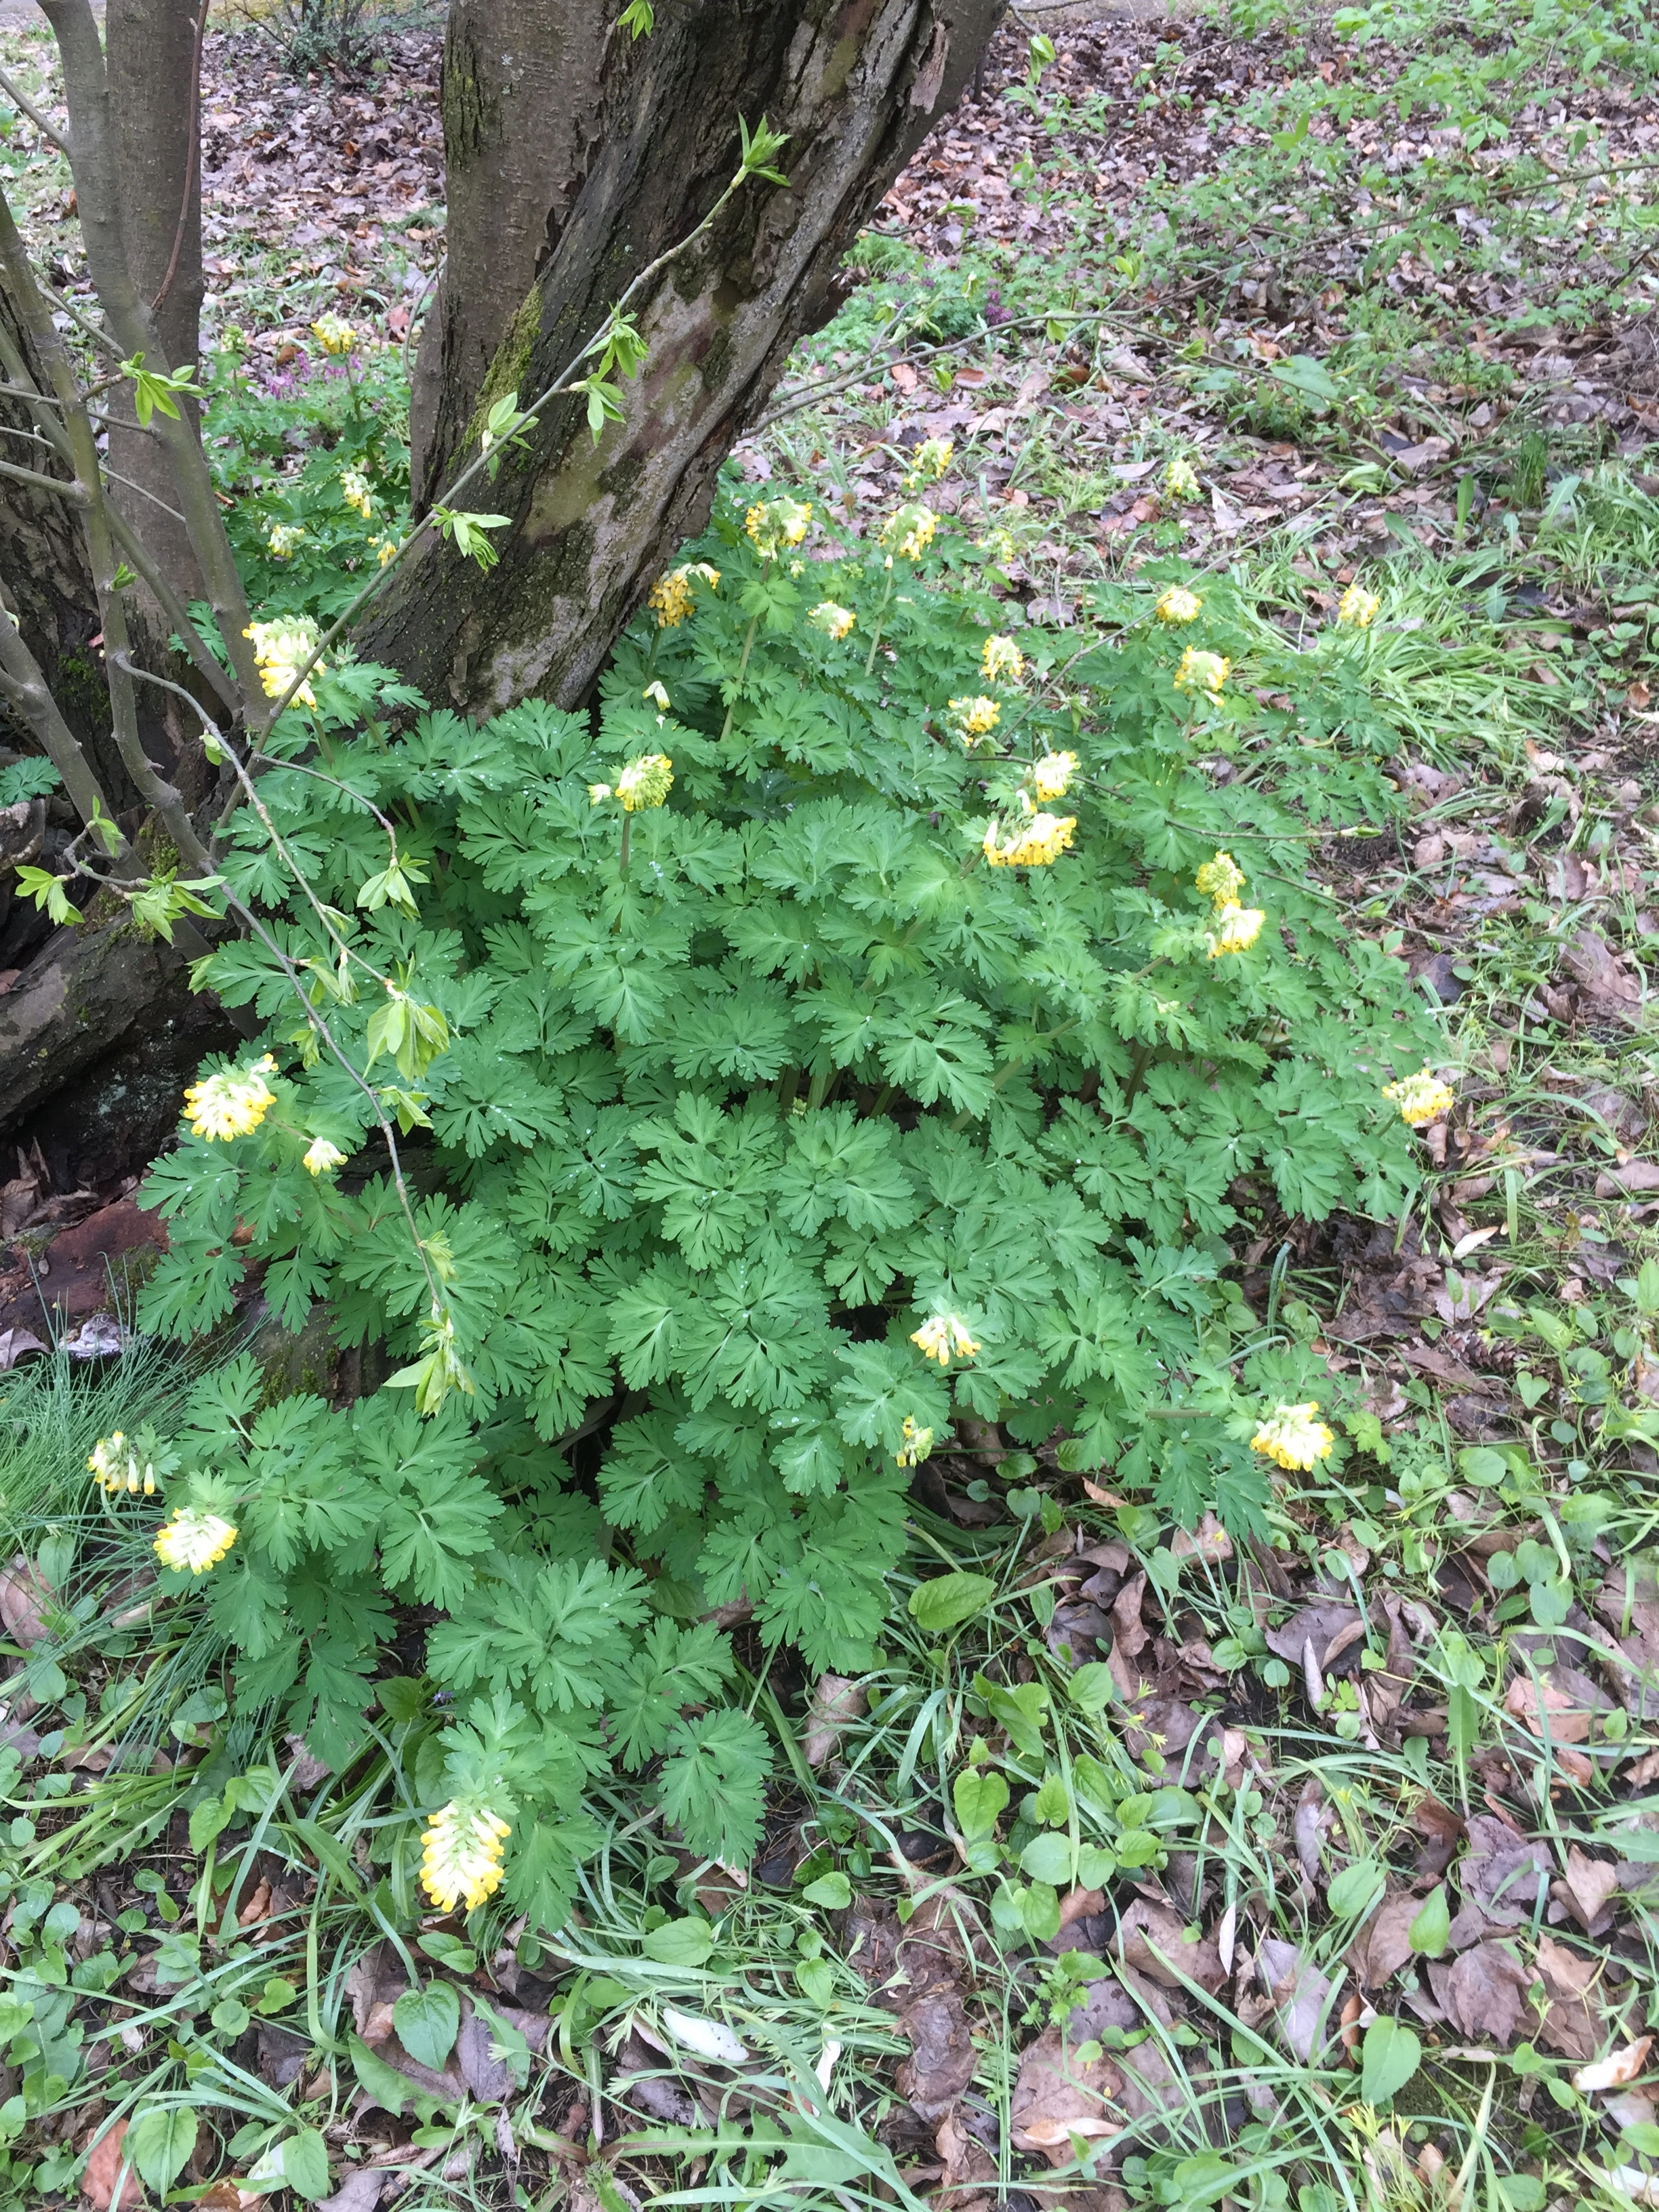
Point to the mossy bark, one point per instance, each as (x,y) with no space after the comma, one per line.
(633,151)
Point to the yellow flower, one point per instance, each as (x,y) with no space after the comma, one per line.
(835,622)
(917,1444)
(1034,844)
(1357,608)
(974,718)
(1221,879)
(1051,775)
(929,462)
(281,649)
(320,1156)
(774,524)
(909,532)
(1237,928)
(1421,1098)
(332,335)
(284,536)
(1202,671)
(644,782)
(1178,606)
(942,1336)
(356,491)
(1001,660)
(461,1856)
(385,549)
(230,1103)
(999,544)
(115,1466)
(659,698)
(1293,1438)
(193,1539)
(1180,482)
(599,792)
(671,598)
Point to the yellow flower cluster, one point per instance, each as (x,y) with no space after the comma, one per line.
(461,1857)
(943,1336)
(645,782)
(1178,606)
(194,1540)
(1293,1438)
(835,622)
(909,532)
(384,549)
(332,335)
(1180,481)
(281,649)
(1033,843)
(357,492)
(1357,608)
(1221,879)
(671,598)
(283,538)
(1236,927)
(929,462)
(1421,1098)
(916,1444)
(974,718)
(320,1157)
(1052,774)
(115,1466)
(1202,671)
(231,1103)
(774,524)
(1001,661)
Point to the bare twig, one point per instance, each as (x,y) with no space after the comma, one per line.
(21,100)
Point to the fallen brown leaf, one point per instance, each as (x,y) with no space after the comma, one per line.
(103,2164)
(836,1700)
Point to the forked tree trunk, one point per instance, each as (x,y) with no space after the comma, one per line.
(608,181)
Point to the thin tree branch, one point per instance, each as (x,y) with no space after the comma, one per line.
(21,100)
(71,492)
(30,693)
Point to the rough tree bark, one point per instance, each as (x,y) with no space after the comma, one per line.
(856,83)
(45,580)
(521,89)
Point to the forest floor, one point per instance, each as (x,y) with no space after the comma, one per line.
(1385,280)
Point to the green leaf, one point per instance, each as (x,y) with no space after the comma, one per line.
(382,2084)
(1092,1687)
(980,1795)
(832,1890)
(1356,1889)
(949,1600)
(449,1952)
(304,2160)
(1047,1858)
(208,1820)
(1039,1912)
(686,1942)
(428,2020)
(158,2142)
(1430,1931)
(1391,2055)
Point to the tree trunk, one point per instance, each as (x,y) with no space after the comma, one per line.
(152,51)
(520,86)
(856,83)
(45,580)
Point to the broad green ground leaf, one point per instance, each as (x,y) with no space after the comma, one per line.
(949,1600)
(1391,2055)
(158,2142)
(428,2022)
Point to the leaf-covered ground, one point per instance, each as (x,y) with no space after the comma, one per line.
(1350,1837)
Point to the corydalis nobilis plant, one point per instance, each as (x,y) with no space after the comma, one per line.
(736,1096)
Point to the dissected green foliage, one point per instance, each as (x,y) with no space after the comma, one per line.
(738,1093)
